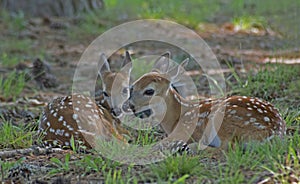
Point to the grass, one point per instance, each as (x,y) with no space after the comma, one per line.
(249,23)
(14,50)
(245,14)
(16,46)
(14,22)
(12,85)
(176,167)
(270,82)
(91,25)
(12,47)
(9,61)
(144,134)
(5,166)
(60,166)
(278,157)
(174,10)
(280,15)
(90,164)
(189,13)
(145,137)
(110,170)
(15,137)
(119,176)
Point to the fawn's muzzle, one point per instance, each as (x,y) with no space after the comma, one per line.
(116,112)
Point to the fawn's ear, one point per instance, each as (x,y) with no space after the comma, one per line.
(127,65)
(126,69)
(177,72)
(127,59)
(103,65)
(161,65)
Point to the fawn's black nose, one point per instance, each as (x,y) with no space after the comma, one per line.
(116,112)
(127,106)
(130,90)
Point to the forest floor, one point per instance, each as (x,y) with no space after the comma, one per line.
(256,62)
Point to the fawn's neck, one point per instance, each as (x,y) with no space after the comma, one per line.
(176,108)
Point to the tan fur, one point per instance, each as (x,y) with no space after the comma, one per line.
(239,118)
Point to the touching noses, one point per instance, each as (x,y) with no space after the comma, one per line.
(127,105)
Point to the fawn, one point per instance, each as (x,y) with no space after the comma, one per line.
(212,123)
(81,117)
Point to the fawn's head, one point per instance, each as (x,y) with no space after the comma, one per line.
(115,84)
(149,94)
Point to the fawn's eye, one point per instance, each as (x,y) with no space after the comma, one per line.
(149,92)
(125,91)
(105,94)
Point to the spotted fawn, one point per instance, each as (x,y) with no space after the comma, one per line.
(208,123)
(81,117)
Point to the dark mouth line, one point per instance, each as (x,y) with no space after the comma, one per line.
(143,114)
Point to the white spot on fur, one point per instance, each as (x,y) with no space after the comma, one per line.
(70,129)
(60,118)
(259,110)
(266,119)
(96,116)
(259,126)
(246,122)
(187,114)
(233,112)
(75,116)
(88,105)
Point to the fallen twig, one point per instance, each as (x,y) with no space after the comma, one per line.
(29,151)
